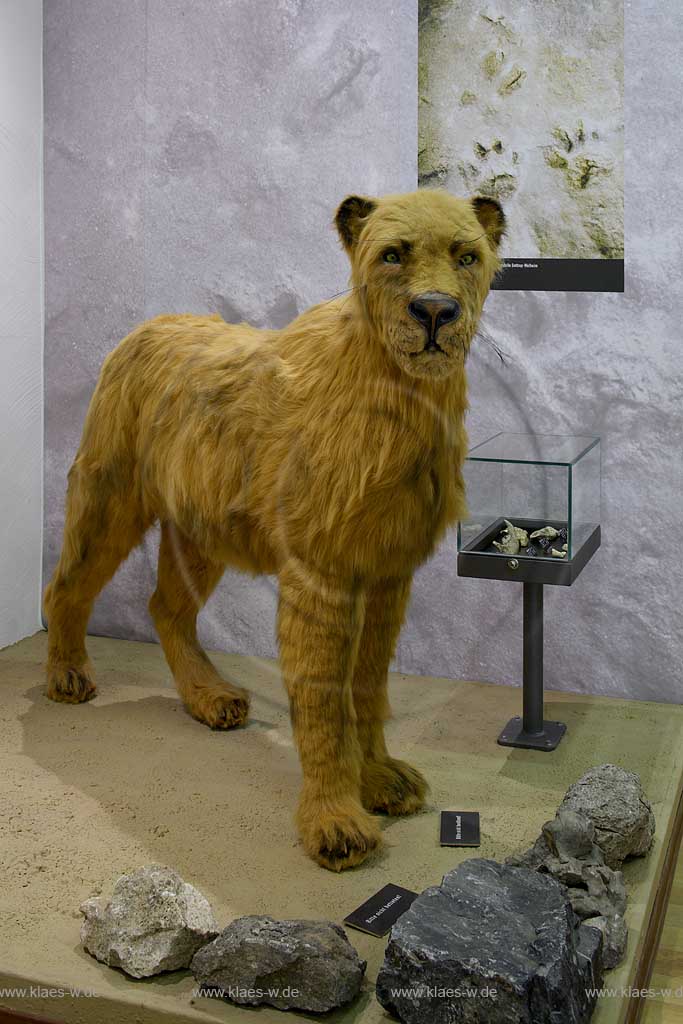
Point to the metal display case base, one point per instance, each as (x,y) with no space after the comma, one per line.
(515,735)
(532,731)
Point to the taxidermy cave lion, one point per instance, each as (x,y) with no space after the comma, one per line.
(328,453)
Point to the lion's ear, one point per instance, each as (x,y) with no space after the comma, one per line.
(490,215)
(350,218)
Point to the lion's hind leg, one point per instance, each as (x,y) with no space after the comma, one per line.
(103,524)
(185,580)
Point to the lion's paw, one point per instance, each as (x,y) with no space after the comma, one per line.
(392,787)
(220,707)
(70,685)
(338,835)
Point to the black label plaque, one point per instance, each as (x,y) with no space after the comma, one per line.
(377,914)
(561,275)
(459,828)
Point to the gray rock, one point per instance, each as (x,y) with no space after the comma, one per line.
(615,938)
(292,965)
(614,800)
(153,922)
(566,849)
(572,835)
(491,926)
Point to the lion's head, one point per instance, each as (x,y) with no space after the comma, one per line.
(422,265)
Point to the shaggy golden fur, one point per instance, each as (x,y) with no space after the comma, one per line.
(328,453)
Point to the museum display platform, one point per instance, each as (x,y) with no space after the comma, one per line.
(90,792)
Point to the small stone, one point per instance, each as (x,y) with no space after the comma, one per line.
(558,554)
(507,543)
(548,532)
(293,965)
(590,945)
(570,835)
(532,858)
(531,551)
(543,543)
(615,938)
(569,872)
(562,534)
(583,904)
(491,926)
(603,892)
(614,800)
(517,531)
(153,922)
(511,539)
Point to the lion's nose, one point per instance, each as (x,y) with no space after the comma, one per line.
(433,310)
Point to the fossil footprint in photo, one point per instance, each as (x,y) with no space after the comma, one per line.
(493,169)
(568,153)
(588,178)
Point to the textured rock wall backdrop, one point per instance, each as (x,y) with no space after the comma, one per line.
(193,161)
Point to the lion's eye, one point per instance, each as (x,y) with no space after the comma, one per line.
(391,256)
(467,259)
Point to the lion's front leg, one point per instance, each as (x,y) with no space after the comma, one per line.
(387,785)
(319,626)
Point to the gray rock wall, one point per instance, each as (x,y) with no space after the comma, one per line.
(193,160)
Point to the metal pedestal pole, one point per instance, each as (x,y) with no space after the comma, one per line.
(531,731)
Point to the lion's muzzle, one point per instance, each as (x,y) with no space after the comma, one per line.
(433,310)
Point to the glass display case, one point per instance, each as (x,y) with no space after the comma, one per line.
(534,518)
(534,507)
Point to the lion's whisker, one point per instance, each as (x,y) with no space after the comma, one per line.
(483,335)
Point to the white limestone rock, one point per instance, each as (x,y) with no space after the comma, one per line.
(153,922)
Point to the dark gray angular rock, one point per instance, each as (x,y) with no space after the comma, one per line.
(614,800)
(602,904)
(292,965)
(566,849)
(491,926)
(615,938)
(153,922)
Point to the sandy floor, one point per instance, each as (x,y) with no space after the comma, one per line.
(90,792)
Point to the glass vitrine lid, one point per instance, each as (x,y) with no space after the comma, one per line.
(542,449)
